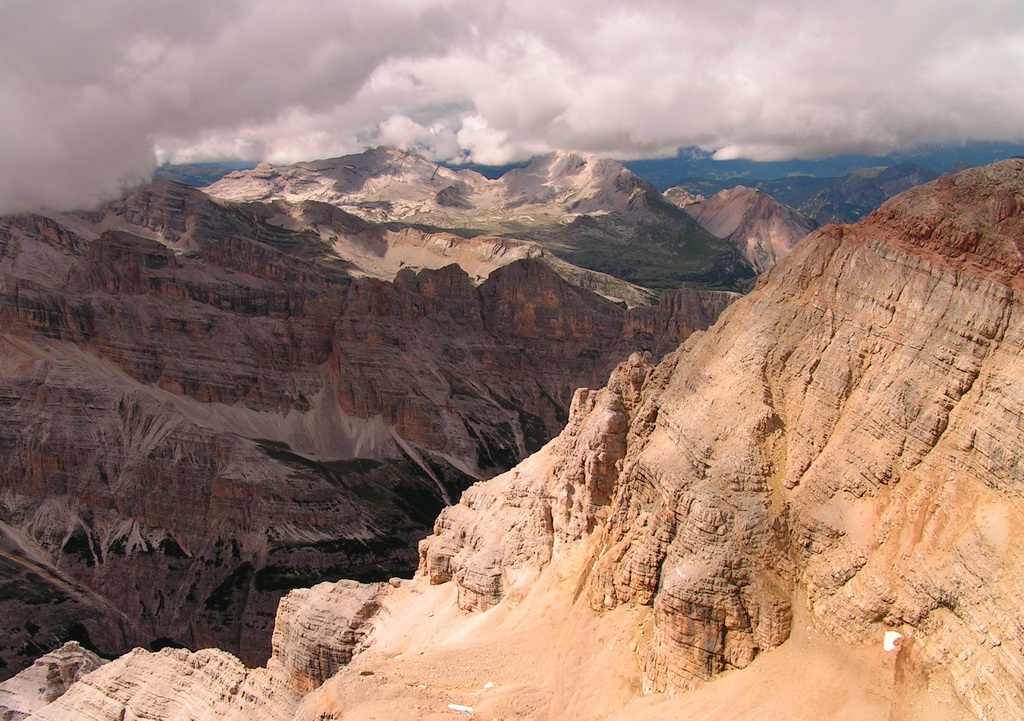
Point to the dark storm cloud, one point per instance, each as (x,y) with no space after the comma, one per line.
(95,93)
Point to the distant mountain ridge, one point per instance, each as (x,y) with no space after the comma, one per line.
(589,211)
(855,196)
(694,163)
(762,228)
(829,200)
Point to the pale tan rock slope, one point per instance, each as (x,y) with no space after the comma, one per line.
(45,680)
(851,430)
(839,456)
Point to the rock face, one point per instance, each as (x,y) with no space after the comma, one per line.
(848,433)
(763,229)
(45,681)
(318,630)
(589,211)
(681,197)
(193,396)
(837,457)
(175,683)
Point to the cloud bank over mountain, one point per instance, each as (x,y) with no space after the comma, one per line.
(95,93)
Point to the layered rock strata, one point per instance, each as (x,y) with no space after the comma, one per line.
(850,431)
(317,631)
(175,683)
(191,397)
(46,680)
(681,197)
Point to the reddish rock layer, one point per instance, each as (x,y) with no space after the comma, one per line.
(208,409)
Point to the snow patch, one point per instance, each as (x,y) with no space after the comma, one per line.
(889,641)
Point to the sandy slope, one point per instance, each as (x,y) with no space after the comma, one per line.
(553,658)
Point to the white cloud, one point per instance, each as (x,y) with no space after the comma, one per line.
(94,92)
(438,141)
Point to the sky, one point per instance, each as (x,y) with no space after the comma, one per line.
(94,94)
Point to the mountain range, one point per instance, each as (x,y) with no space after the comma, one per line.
(797,503)
(208,403)
(692,163)
(829,200)
(809,510)
(589,211)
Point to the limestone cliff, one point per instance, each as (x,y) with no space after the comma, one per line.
(849,431)
(200,412)
(836,458)
(175,684)
(46,680)
(317,631)
(681,197)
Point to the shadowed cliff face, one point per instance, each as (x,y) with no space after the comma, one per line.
(847,436)
(197,417)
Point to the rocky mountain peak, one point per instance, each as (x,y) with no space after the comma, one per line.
(385,161)
(576,182)
(379,184)
(563,163)
(761,227)
(681,197)
(547,177)
(46,680)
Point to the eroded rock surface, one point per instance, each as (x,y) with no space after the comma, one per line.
(175,683)
(318,630)
(681,197)
(850,430)
(200,413)
(316,633)
(46,680)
